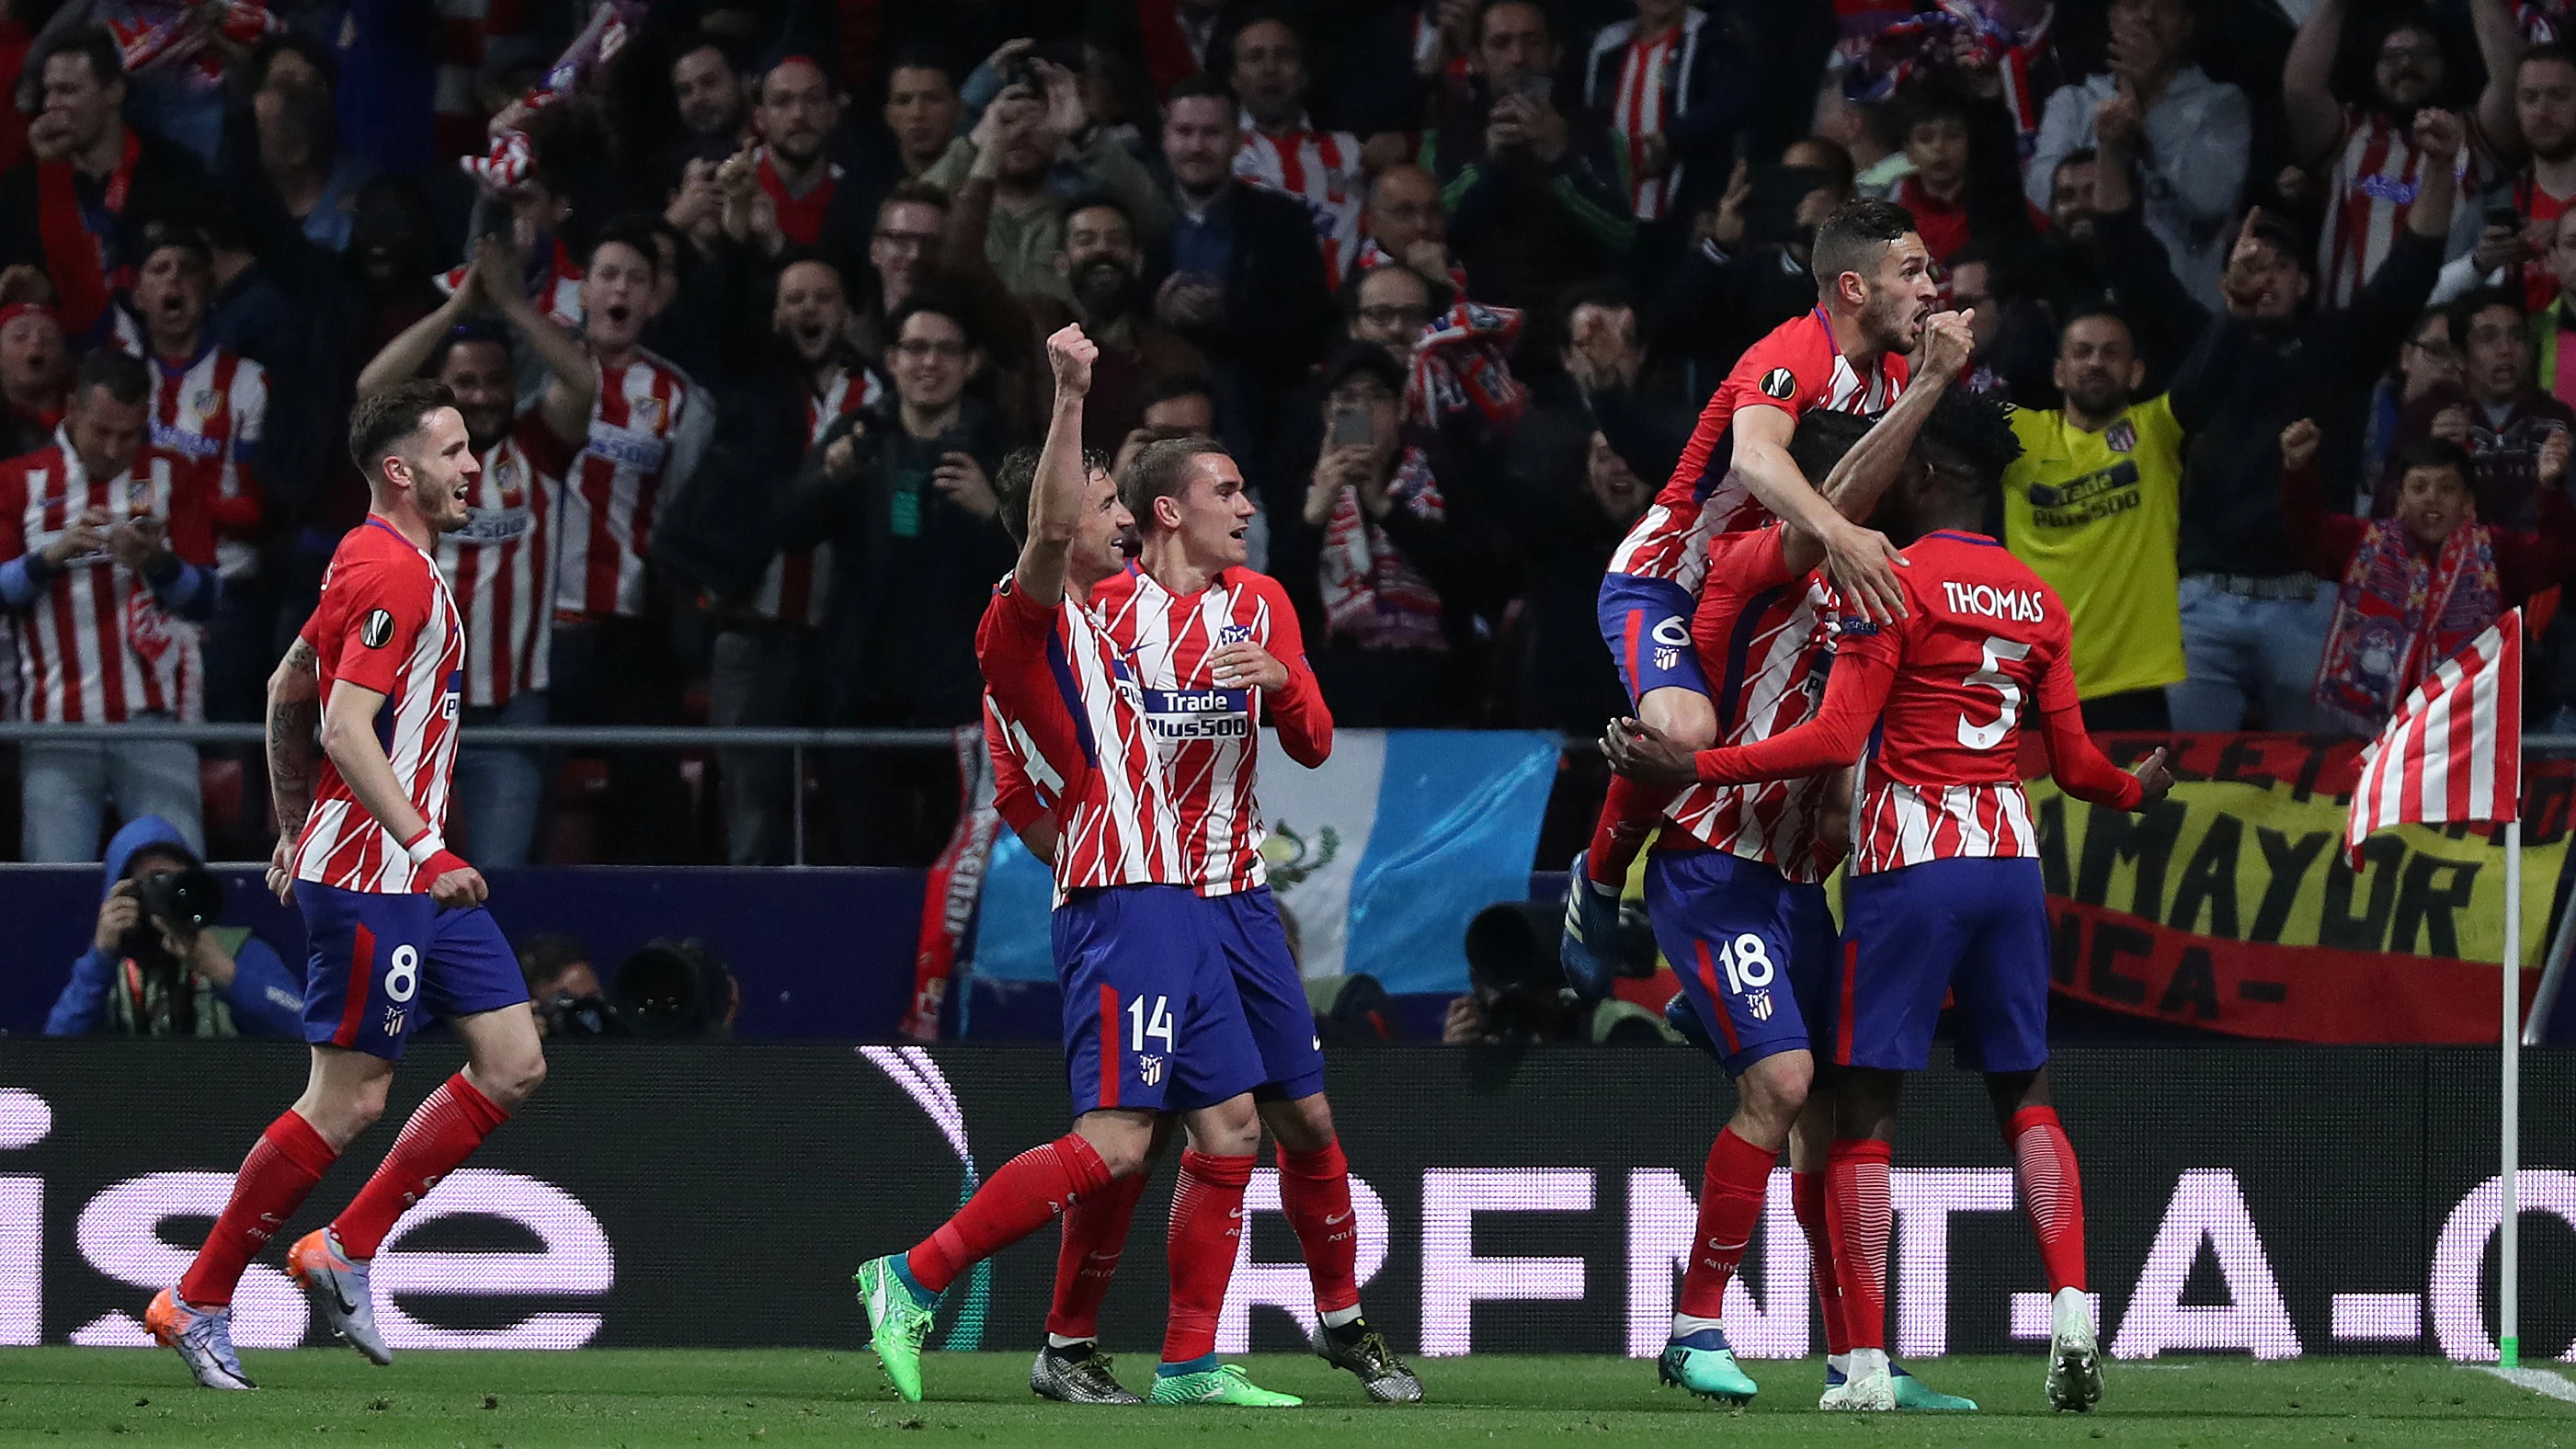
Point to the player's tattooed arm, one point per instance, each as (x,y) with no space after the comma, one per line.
(294,717)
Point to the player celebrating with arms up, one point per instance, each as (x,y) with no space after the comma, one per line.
(1151,1021)
(396,919)
(1874,278)
(1945,891)
(1211,641)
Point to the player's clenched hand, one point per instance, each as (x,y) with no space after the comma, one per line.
(2299,445)
(459,889)
(281,875)
(1646,754)
(2156,780)
(1947,343)
(1246,665)
(1071,355)
(1863,565)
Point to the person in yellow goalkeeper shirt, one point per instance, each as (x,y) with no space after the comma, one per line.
(2094,506)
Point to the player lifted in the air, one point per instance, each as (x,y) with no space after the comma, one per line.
(1733,886)
(1151,1021)
(1211,641)
(397,923)
(1875,290)
(1945,896)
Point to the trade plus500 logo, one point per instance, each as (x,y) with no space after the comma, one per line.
(120,1234)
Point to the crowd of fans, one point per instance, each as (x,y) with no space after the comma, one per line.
(742,305)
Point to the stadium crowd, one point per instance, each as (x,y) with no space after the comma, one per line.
(743,307)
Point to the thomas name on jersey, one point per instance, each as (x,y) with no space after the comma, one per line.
(1987,601)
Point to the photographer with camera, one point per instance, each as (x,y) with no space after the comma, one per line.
(157,963)
(1517,995)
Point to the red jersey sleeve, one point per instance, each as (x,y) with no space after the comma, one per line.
(1865,660)
(1015,799)
(1297,708)
(381,615)
(2081,770)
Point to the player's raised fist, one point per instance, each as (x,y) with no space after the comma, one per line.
(1947,343)
(2155,780)
(1071,354)
(2299,445)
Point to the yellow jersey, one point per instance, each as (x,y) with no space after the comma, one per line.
(2097,515)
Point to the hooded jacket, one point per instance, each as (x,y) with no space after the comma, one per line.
(107,995)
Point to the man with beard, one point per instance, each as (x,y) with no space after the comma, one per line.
(708,87)
(787,190)
(500,564)
(1103,266)
(2374,173)
(2188,135)
(2094,506)
(2544,109)
(998,177)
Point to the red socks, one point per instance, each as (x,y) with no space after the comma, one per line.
(1628,817)
(1730,1203)
(1857,1214)
(1315,1193)
(1807,1196)
(289,1158)
(441,1134)
(1095,1237)
(2052,1192)
(1207,1224)
(1031,1189)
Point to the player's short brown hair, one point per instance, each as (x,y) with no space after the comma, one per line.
(1016,481)
(390,415)
(1161,469)
(1854,238)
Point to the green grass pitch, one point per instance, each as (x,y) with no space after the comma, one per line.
(607,1398)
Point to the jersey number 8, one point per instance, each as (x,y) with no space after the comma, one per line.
(402,982)
(1998,653)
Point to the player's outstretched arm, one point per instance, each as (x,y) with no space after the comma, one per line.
(1831,740)
(1862,476)
(1055,498)
(349,738)
(294,714)
(1861,561)
(2082,770)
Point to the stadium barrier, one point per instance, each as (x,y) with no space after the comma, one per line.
(2274,1201)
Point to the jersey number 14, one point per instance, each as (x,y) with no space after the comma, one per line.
(1141,1025)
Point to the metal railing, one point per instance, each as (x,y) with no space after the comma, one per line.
(795,741)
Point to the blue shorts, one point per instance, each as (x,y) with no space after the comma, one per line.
(1151,1019)
(1647,624)
(1976,929)
(380,964)
(1275,1008)
(1753,951)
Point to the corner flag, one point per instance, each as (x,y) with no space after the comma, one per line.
(2453,752)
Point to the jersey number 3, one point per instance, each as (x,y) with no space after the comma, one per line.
(1998,652)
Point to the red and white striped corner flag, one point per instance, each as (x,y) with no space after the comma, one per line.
(2453,752)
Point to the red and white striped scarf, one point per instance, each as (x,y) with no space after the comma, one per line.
(1374,598)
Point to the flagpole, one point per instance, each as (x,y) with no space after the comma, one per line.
(2508,1305)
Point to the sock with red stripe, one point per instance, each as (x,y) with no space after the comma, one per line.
(1026,1195)
(1095,1237)
(2052,1192)
(1857,1212)
(1207,1223)
(1628,816)
(1730,1203)
(441,1134)
(1315,1193)
(1807,1196)
(283,1165)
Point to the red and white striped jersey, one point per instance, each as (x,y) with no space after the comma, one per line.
(1797,369)
(2371,190)
(798,584)
(95,646)
(1643,106)
(1949,686)
(1209,736)
(1068,712)
(385,622)
(1762,638)
(641,430)
(499,568)
(1319,168)
(211,410)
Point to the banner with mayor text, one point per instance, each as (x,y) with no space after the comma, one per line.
(2230,906)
